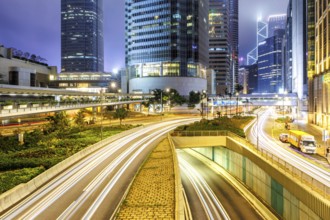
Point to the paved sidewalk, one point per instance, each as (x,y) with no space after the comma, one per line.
(152,194)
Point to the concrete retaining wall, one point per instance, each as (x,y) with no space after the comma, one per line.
(283,194)
(16,194)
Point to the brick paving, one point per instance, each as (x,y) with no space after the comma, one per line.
(152,194)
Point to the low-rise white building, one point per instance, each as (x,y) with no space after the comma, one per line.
(23,71)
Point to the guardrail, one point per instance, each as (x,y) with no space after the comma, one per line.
(287,168)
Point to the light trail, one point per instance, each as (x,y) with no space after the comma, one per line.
(212,206)
(266,142)
(39,201)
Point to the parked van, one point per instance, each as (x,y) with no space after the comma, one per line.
(284,137)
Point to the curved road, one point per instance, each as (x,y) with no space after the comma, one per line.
(94,187)
(210,196)
(257,133)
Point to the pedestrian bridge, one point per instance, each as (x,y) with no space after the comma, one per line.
(288,191)
(256,100)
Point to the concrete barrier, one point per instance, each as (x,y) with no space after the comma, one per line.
(263,177)
(180,205)
(21,191)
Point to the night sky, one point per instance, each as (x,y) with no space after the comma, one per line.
(34,26)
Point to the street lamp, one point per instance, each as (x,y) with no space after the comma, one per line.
(169,97)
(237,103)
(284,93)
(102,91)
(315,113)
(257,131)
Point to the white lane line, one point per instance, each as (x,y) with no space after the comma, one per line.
(89,190)
(83,166)
(310,169)
(197,180)
(99,200)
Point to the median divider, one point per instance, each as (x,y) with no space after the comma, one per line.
(21,191)
(182,209)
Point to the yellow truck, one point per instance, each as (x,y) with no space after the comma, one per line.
(303,141)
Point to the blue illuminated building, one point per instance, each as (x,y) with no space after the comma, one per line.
(82,36)
(270,63)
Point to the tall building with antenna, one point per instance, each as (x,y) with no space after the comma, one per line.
(262,34)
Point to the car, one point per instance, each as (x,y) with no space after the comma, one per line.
(284,137)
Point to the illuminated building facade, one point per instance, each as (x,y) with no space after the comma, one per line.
(270,63)
(219,46)
(166,44)
(311,59)
(276,22)
(233,36)
(262,34)
(82,36)
(320,79)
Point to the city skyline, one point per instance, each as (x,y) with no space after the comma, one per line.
(39,33)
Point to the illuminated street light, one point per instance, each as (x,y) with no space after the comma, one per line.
(237,102)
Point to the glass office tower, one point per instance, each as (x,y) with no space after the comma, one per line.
(165,39)
(233,32)
(82,36)
(219,46)
(270,63)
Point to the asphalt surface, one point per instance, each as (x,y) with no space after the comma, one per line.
(94,187)
(236,206)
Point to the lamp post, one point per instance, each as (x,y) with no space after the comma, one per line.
(237,103)
(169,98)
(315,113)
(285,92)
(204,95)
(161,101)
(257,131)
(102,113)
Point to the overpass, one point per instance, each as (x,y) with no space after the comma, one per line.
(256,100)
(57,100)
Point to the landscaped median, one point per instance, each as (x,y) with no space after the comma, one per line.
(26,170)
(153,193)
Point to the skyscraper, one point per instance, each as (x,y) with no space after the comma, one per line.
(166,44)
(233,33)
(299,48)
(320,81)
(311,60)
(270,63)
(82,36)
(276,22)
(219,46)
(262,34)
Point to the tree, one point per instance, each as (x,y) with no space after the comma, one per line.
(79,118)
(58,122)
(121,114)
(147,105)
(174,98)
(194,98)
(238,88)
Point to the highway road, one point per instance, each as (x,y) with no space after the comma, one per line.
(94,187)
(209,195)
(266,142)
